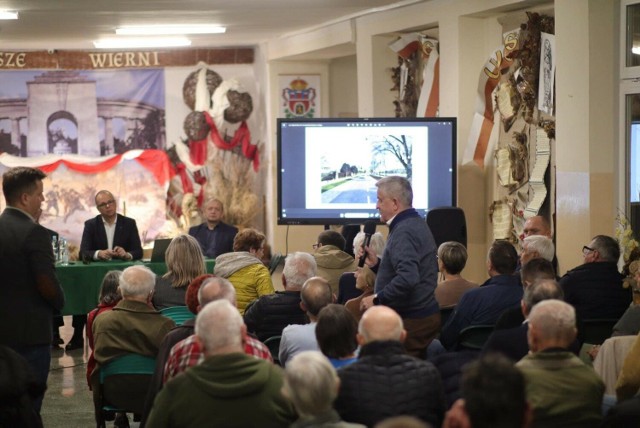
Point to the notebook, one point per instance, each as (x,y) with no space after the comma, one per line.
(159,249)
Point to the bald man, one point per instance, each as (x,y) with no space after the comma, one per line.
(385,381)
(537,225)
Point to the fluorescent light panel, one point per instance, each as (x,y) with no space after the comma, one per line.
(8,14)
(149,30)
(141,42)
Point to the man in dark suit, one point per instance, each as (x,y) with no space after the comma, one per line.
(30,291)
(214,236)
(105,237)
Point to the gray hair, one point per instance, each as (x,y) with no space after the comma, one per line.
(377,243)
(223,290)
(218,325)
(608,248)
(540,290)
(298,267)
(554,320)
(398,187)
(540,244)
(310,383)
(137,281)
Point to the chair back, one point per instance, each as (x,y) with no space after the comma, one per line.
(273,343)
(179,314)
(445,313)
(474,337)
(596,331)
(276,259)
(123,385)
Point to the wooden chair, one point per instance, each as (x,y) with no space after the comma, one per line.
(179,314)
(122,386)
(474,337)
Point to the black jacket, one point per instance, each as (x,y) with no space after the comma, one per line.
(269,315)
(386,382)
(94,237)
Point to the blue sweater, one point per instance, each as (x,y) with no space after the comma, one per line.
(408,271)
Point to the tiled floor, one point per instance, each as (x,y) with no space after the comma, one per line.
(68,401)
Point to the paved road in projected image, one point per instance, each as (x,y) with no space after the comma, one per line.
(360,190)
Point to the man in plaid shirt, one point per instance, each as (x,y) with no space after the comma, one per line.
(190,352)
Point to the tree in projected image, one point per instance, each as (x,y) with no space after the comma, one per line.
(399,147)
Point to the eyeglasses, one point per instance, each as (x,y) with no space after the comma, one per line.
(106,204)
(586,250)
(316,246)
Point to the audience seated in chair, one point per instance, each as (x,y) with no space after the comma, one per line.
(629,323)
(311,383)
(537,246)
(228,385)
(316,294)
(244,268)
(376,386)
(336,332)
(365,282)
(628,383)
(133,326)
(483,305)
(493,395)
(595,288)
(563,391)
(331,258)
(533,271)
(185,262)
(452,257)
(512,342)
(347,288)
(270,314)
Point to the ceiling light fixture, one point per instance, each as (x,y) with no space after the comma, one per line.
(149,30)
(141,42)
(8,14)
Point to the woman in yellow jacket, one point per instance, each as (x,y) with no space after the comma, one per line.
(244,268)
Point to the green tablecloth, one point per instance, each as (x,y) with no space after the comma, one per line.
(81,283)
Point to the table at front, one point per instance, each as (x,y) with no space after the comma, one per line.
(81,283)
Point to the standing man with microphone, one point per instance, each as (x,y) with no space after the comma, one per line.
(407,273)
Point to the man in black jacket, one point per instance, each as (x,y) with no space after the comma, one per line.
(385,381)
(269,315)
(30,290)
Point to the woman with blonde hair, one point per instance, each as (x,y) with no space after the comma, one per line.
(185,261)
(244,268)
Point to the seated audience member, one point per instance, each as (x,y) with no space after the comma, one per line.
(493,396)
(270,314)
(185,262)
(629,323)
(452,257)
(228,387)
(133,326)
(483,305)
(19,391)
(595,288)
(331,259)
(244,268)
(178,333)
(109,297)
(189,352)
(315,295)
(562,390)
(534,270)
(537,246)
(347,288)
(537,225)
(214,236)
(385,381)
(336,332)
(628,383)
(512,342)
(365,282)
(311,383)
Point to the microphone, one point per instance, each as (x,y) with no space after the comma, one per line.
(369,229)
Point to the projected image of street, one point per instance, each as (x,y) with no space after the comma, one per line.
(344,168)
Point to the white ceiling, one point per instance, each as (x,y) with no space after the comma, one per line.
(74,24)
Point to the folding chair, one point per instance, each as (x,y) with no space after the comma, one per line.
(179,314)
